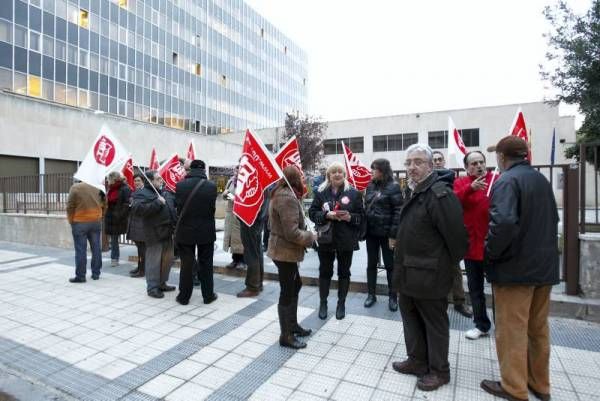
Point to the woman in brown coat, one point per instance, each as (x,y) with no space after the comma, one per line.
(287,242)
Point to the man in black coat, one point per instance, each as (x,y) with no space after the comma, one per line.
(431,240)
(158,220)
(196,231)
(521,252)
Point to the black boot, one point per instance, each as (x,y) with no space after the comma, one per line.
(371,287)
(296,328)
(323,294)
(343,285)
(287,338)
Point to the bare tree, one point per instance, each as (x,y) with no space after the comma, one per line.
(310,132)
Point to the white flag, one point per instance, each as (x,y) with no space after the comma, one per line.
(106,154)
(456,147)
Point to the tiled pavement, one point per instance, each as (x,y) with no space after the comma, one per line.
(106,340)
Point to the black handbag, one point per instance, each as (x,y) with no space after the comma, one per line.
(325,233)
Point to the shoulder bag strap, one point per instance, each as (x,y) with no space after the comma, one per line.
(187,203)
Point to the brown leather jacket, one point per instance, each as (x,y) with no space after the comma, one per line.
(288,238)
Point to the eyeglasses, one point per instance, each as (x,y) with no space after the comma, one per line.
(416,162)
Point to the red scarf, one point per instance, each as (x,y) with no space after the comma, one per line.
(113,192)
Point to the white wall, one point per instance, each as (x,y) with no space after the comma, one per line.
(35,128)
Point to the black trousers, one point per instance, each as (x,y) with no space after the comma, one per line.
(205,269)
(426,332)
(141,251)
(326,259)
(374,244)
(253,254)
(237,257)
(289,282)
(475,282)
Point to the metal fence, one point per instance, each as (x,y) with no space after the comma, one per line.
(44,193)
(589,216)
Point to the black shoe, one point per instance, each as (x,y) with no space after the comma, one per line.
(463,310)
(232,265)
(167,288)
(140,273)
(296,328)
(495,388)
(95,277)
(323,310)
(156,293)
(181,301)
(340,311)
(134,271)
(432,381)
(393,303)
(370,301)
(290,341)
(77,280)
(211,299)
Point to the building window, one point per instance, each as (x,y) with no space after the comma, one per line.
(395,142)
(470,136)
(198,69)
(438,139)
(285,50)
(174,58)
(5,31)
(84,20)
(123,3)
(34,41)
(20,83)
(35,86)
(334,146)
(223,80)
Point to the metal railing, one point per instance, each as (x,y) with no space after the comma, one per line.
(44,193)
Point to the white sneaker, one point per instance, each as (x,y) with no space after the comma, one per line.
(475,333)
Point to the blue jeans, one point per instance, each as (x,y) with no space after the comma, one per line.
(82,233)
(114,247)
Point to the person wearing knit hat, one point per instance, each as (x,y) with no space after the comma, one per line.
(521,254)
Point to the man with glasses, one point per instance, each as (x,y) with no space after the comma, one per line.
(430,241)
(457,292)
(472,193)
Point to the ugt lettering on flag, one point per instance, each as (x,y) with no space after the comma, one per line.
(172,172)
(289,155)
(256,171)
(358,174)
(105,155)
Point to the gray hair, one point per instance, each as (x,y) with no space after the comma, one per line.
(421,147)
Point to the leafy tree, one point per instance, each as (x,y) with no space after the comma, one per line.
(310,132)
(574,65)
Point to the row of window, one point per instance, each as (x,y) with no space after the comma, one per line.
(398,142)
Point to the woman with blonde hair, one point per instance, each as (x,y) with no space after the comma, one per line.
(287,243)
(337,210)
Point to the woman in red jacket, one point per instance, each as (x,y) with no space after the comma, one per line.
(472,193)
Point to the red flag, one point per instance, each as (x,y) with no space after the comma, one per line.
(289,155)
(191,152)
(456,146)
(127,172)
(520,129)
(358,174)
(257,170)
(172,172)
(154,165)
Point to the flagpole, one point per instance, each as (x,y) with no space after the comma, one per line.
(492,181)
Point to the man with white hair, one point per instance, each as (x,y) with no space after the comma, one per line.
(431,240)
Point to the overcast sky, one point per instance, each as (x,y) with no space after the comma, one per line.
(383,57)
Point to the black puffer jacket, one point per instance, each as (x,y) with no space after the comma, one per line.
(521,246)
(157,220)
(135,229)
(383,203)
(431,240)
(345,234)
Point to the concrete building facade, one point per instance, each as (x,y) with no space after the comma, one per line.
(201,66)
(389,136)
